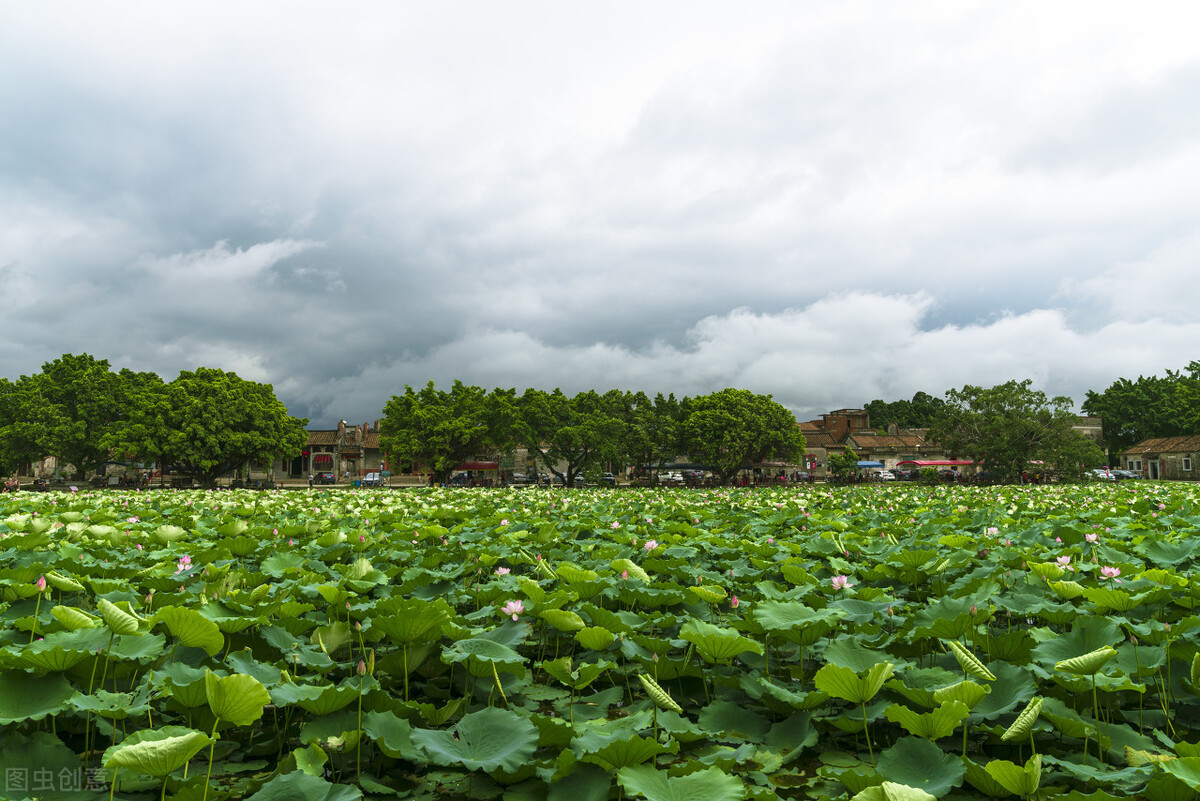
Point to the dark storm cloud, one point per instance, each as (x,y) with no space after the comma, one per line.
(831,204)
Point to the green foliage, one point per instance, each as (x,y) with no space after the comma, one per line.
(581,433)
(735,428)
(920,412)
(1153,406)
(157,752)
(72,409)
(1011,429)
(441,430)
(207,423)
(841,465)
(639,678)
(485,740)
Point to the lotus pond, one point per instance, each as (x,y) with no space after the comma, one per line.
(868,643)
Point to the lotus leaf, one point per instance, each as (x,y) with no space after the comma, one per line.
(480,654)
(485,740)
(238,699)
(968,692)
(562,619)
(919,763)
(711,784)
(716,644)
(1019,780)
(27,697)
(1087,663)
(842,682)
(118,620)
(193,629)
(726,720)
(299,786)
(73,619)
(157,752)
(632,568)
(941,722)
(621,751)
(596,638)
(891,791)
(392,733)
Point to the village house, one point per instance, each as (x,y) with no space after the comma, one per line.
(1164,457)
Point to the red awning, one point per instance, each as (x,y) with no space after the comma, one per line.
(936,462)
(478,466)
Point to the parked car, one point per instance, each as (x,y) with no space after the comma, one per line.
(693,478)
(372,480)
(886,475)
(517,478)
(1126,475)
(326,478)
(1104,474)
(670,478)
(608,480)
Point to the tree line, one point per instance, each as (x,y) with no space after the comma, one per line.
(577,435)
(204,423)
(208,422)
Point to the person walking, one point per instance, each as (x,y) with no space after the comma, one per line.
(310,480)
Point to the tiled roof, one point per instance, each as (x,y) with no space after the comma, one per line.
(1167,445)
(889,440)
(819,439)
(322,437)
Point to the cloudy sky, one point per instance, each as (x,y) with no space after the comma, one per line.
(829,202)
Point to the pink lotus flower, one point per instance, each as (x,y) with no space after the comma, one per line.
(615,524)
(504,522)
(992,531)
(502,571)
(650,545)
(624,575)
(41,583)
(1091,537)
(185,562)
(1063,561)
(841,582)
(513,608)
(139,546)
(1111,573)
(734,602)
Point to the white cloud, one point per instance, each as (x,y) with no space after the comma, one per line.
(841,351)
(831,202)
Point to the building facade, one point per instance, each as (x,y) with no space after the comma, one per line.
(1171,458)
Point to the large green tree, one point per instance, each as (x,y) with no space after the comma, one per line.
(69,410)
(1012,428)
(20,440)
(441,430)
(842,465)
(653,430)
(207,423)
(79,401)
(1154,406)
(735,428)
(920,412)
(570,436)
